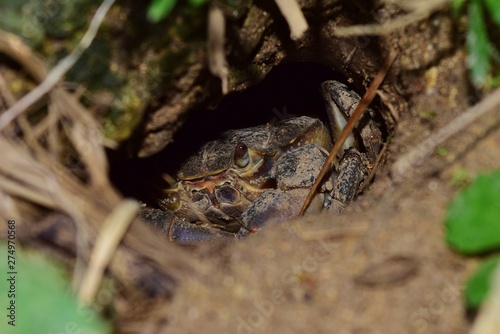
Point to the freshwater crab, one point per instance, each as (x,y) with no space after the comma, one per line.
(249,177)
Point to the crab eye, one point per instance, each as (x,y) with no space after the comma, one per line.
(241,155)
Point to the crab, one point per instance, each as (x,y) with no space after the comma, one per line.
(251,177)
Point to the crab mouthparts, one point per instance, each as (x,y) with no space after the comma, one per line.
(209,183)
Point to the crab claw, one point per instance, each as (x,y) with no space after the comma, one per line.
(340,104)
(338,112)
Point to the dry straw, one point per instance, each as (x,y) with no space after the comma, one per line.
(34,174)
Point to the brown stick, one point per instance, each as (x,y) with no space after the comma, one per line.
(362,105)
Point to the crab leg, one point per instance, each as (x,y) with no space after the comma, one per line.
(183,232)
(347,182)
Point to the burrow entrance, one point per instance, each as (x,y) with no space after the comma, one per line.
(290,90)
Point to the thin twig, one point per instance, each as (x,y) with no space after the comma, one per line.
(416,156)
(217,63)
(59,70)
(353,120)
(419,11)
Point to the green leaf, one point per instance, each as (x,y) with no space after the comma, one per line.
(473,220)
(159,9)
(456,7)
(493,7)
(197,2)
(477,44)
(478,285)
(43,301)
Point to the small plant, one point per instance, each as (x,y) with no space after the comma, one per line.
(40,299)
(159,9)
(473,227)
(480,49)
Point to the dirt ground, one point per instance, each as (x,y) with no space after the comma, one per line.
(382,266)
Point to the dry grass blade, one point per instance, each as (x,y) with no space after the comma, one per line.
(14,47)
(48,184)
(418,10)
(81,128)
(297,23)
(110,235)
(216,54)
(34,171)
(21,176)
(15,189)
(353,120)
(8,207)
